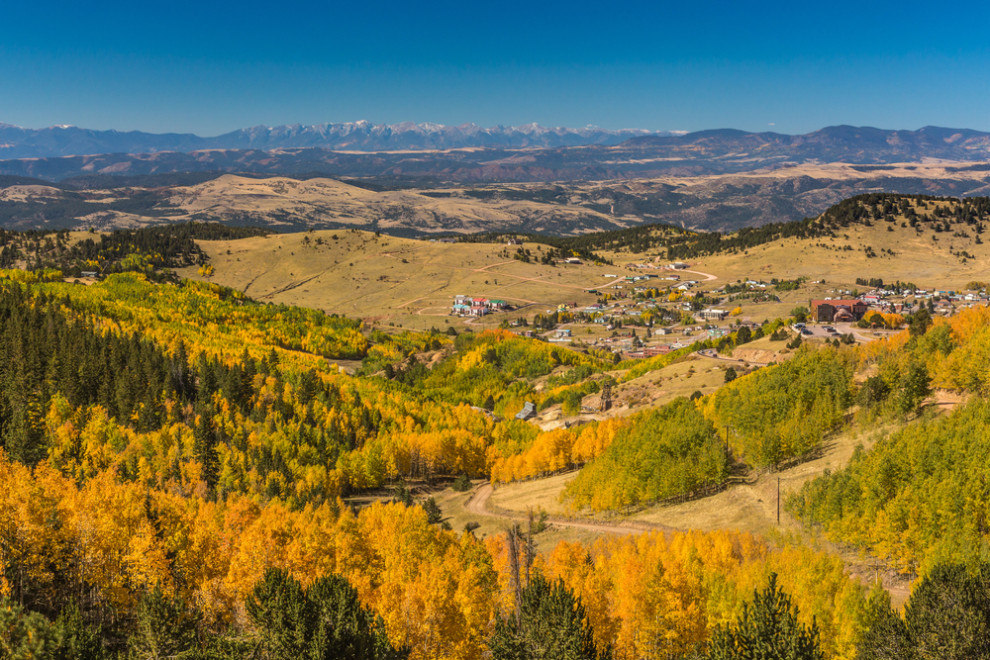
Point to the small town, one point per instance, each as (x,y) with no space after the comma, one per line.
(642,315)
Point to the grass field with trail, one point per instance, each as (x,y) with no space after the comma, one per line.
(410,283)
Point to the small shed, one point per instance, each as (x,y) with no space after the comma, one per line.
(528,410)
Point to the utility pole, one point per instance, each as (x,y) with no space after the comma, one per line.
(606,399)
(778,501)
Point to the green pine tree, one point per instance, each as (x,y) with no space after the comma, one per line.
(948,616)
(768,629)
(551,625)
(164,627)
(24,635)
(324,622)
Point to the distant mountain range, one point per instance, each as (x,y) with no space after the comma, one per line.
(17,142)
(848,144)
(429,154)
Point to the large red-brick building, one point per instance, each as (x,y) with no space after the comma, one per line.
(838,310)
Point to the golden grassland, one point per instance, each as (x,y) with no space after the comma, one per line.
(695,373)
(925,258)
(410,283)
(321,199)
(406,282)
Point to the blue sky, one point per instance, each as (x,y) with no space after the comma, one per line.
(205,68)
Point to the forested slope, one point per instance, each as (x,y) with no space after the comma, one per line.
(164,446)
(919,496)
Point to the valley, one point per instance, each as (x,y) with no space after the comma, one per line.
(405,412)
(515,331)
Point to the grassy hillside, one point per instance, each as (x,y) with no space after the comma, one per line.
(932,242)
(935,244)
(394,280)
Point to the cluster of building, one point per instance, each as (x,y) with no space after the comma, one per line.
(470,306)
(840,310)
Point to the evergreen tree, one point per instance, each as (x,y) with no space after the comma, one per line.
(948,616)
(280,610)
(915,386)
(75,637)
(164,627)
(344,629)
(324,622)
(24,635)
(204,446)
(768,629)
(886,636)
(433,513)
(920,321)
(551,624)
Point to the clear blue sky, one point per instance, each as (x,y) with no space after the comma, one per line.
(789,66)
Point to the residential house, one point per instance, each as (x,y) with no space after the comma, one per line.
(713,314)
(838,310)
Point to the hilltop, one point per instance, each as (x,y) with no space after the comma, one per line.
(930,241)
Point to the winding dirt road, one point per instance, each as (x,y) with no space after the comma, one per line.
(478,505)
(748,497)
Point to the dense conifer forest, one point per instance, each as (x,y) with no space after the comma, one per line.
(147,250)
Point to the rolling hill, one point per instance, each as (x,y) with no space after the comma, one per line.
(188,437)
(933,243)
(709,202)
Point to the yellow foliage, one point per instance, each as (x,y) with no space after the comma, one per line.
(434,589)
(659,594)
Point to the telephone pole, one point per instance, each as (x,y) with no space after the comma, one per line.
(606,399)
(778,501)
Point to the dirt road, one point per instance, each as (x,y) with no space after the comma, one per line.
(715,355)
(708,276)
(748,504)
(478,505)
